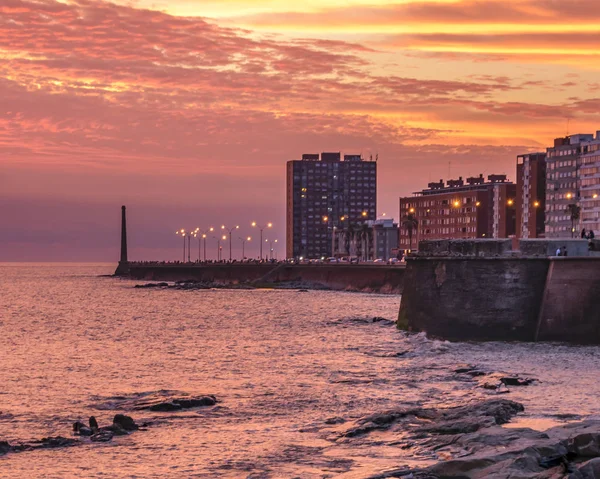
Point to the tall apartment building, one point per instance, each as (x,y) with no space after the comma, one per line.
(531,195)
(563,182)
(590,185)
(459,210)
(326,193)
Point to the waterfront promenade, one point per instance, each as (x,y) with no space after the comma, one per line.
(364,277)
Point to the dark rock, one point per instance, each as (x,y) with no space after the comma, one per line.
(125,422)
(335,420)
(183,403)
(463,426)
(4,447)
(93,423)
(114,429)
(590,469)
(196,402)
(584,445)
(165,407)
(502,410)
(514,381)
(52,442)
(152,285)
(102,436)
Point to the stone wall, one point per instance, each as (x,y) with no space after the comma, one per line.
(473,298)
(345,277)
(548,247)
(503,298)
(571,303)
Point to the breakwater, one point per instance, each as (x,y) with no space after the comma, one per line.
(342,277)
(486,290)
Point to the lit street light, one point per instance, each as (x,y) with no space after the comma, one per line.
(261,228)
(183,234)
(230,230)
(243,240)
(202,235)
(219,238)
(270,247)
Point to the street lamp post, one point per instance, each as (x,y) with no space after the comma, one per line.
(261,228)
(183,234)
(243,240)
(219,238)
(229,230)
(202,235)
(270,247)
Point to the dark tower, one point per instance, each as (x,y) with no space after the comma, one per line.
(123,236)
(123,268)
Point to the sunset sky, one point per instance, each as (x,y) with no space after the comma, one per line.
(186,111)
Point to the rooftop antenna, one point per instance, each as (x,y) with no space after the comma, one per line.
(376,157)
(568,121)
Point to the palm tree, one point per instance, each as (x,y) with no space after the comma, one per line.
(365,235)
(410,224)
(349,236)
(575,212)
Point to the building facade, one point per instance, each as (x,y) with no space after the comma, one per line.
(385,238)
(563,184)
(326,193)
(367,241)
(590,185)
(531,195)
(459,210)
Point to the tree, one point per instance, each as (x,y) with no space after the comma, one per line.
(575,212)
(349,237)
(410,224)
(366,233)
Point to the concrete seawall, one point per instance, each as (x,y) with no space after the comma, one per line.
(571,303)
(474,298)
(504,296)
(344,277)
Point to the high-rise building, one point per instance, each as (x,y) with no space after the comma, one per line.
(477,209)
(590,185)
(563,183)
(325,194)
(531,195)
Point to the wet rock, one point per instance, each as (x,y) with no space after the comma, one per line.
(502,410)
(114,429)
(516,381)
(81,429)
(56,441)
(589,469)
(102,436)
(93,423)
(335,420)
(462,426)
(475,447)
(125,422)
(182,403)
(152,285)
(584,445)
(382,420)
(4,447)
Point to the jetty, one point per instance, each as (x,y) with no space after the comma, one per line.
(361,277)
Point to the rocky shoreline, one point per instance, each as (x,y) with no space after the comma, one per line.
(473,443)
(190,285)
(122,424)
